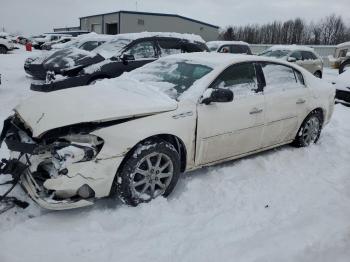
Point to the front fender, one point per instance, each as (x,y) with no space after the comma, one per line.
(121,138)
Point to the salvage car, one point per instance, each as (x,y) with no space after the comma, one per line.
(35,65)
(341,58)
(5,45)
(38,41)
(122,54)
(305,57)
(342,86)
(132,136)
(62,40)
(233,47)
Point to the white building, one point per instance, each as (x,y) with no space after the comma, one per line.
(133,22)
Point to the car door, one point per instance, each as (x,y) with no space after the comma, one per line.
(285,103)
(228,129)
(142,52)
(169,46)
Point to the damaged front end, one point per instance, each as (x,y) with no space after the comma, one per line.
(52,177)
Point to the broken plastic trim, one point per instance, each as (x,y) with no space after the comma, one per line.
(15,168)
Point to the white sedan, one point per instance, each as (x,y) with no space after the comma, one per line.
(133,136)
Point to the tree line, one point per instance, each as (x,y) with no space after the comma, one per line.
(328,31)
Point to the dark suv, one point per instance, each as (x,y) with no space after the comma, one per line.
(122,54)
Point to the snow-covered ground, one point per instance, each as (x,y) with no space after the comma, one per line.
(287,204)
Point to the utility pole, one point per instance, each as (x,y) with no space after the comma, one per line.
(136,5)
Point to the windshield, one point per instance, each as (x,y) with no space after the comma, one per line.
(213,46)
(275,53)
(170,77)
(109,49)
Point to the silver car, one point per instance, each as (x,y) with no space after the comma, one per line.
(301,55)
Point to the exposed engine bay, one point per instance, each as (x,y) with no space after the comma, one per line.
(47,158)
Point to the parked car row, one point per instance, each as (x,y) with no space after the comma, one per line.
(71,67)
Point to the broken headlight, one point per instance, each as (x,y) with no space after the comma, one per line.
(75,148)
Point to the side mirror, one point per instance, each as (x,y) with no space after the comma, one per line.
(127,57)
(291,59)
(218,95)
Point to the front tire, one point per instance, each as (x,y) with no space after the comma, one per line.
(309,131)
(152,169)
(3,49)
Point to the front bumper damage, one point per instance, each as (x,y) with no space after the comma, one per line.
(56,187)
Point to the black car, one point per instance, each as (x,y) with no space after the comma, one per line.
(79,68)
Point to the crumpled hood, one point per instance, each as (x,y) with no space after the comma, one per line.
(111,99)
(71,58)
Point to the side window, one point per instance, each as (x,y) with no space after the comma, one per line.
(241,79)
(343,53)
(237,49)
(224,49)
(192,47)
(279,77)
(90,45)
(299,77)
(142,50)
(297,55)
(169,46)
(308,56)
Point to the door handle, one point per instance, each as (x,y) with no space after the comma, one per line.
(255,111)
(300,101)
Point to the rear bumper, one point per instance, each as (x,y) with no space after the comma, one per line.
(60,84)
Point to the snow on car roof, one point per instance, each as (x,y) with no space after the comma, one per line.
(227,43)
(291,48)
(343,45)
(134,36)
(220,60)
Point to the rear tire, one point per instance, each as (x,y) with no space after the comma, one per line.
(310,130)
(3,49)
(152,169)
(344,66)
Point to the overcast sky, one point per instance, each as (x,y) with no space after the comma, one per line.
(37,16)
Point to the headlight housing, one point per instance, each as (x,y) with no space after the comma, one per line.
(75,148)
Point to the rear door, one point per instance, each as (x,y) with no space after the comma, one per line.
(228,129)
(285,103)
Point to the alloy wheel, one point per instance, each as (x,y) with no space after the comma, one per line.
(152,176)
(311,130)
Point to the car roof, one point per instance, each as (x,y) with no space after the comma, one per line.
(346,44)
(291,48)
(220,60)
(227,43)
(136,36)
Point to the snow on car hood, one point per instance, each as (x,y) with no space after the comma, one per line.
(107,100)
(71,58)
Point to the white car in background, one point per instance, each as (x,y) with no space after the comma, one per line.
(342,86)
(303,56)
(233,47)
(5,45)
(132,136)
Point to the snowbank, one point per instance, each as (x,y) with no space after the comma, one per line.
(287,204)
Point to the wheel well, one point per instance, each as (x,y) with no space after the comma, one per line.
(4,46)
(174,140)
(320,111)
(319,71)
